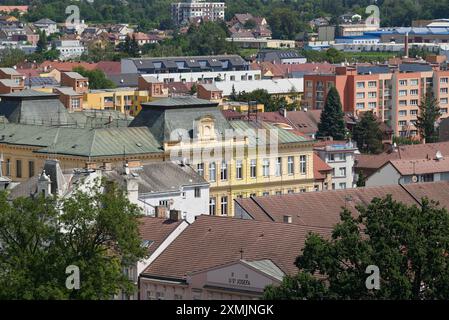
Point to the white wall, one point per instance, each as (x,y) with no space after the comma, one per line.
(189,206)
(387,175)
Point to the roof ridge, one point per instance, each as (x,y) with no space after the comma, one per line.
(92,143)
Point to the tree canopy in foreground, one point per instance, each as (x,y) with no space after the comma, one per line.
(408,244)
(40,237)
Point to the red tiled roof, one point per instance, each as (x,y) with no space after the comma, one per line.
(421,166)
(323,208)
(109,67)
(211,241)
(9,9)
(66,66)
(29,72)
(156,230)
(319,168)
(405,152)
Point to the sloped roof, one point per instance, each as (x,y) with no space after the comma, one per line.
(162,177)
(156,230)
(421,166)
(319,167)
(321,209)
(232,238)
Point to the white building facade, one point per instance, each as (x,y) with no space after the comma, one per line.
(182,12)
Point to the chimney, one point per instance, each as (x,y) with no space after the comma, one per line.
(175,215)
(406,45)
(44,184)
(160,212)
(288,219)
(132,189)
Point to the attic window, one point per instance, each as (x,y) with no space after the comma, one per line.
(139,144)
(11,135)
(38,138)
(74,146)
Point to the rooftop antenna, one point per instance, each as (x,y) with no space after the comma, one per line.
(241,253)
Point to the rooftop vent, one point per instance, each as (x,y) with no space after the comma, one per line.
(287,219)
(438,155)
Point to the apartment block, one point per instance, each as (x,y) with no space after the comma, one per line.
(183,12)
(392,92)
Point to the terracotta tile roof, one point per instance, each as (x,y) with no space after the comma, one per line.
(29,72)
(211,241)
(319,168)
(437,191)
(156,230)
(109,67)
(66,66)
(321,209)
(405,152)
(421,166)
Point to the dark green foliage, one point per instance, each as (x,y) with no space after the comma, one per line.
(97,78)
(429,113)
(41,237)
(42,44)
(11,57)
(332,122)
(367,134)
(408,244)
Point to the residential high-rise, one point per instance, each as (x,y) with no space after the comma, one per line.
(182,12)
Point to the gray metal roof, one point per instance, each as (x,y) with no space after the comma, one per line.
(84,142)
(372,69)
(33,107)
(414,67)
(161,177)
(167,117)
(74,75)
(179,102)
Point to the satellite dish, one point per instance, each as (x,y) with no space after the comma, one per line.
(414,179)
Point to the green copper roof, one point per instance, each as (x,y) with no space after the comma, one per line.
(81,142)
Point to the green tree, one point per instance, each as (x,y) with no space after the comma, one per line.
(429,113)
(409,245)
(250,24)
(42,43)
(193,89)
(332,122)
(97,78)
(130,46)
(11,57)
(95,230)
(367,134)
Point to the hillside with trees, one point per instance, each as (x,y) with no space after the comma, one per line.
(287,18)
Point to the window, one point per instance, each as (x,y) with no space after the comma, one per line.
(75,103)
(290,191)
(31,168)
(291,165)
(278,193)
(200,169)
(212,207)
(160,295)
(239,169)
(177,297)
(402,123)
(443,110)
(413,112)
(414,82)
(443,90)
(360,95)
(8,167)
(197,192)
(253,168)
(224,171)
(402,103)
(265,194)
(371,105)
(302,164)
(414,92)
(212,171)
(402,93)
(414,102)
(372,94)
(19,168)
(402,82)
(360,85)
(372,84)
(342,185)
(360,105)
(443,100)
(443,80)
(278,166)
(331,157)
(224,205)
(402,113)
(342,172)
(342,156)
(309,84)
(266,167)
